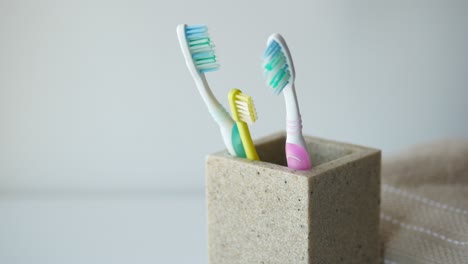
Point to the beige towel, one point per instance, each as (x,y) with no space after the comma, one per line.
(424,217)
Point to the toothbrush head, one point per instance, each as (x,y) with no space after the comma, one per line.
(242,107)
(278,67)
(197,47)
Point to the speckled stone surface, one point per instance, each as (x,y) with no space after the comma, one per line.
(264,212)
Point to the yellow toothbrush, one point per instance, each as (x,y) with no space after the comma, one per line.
(243,112)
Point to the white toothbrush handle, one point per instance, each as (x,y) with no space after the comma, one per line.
(297,154)
(217,111)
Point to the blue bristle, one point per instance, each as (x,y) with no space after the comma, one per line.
(201,55)
(196,28)
(194,36)
(273,47)
(276,69)
(278,91)
(209,69)
(201,48)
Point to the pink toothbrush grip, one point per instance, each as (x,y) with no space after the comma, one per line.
(297,157)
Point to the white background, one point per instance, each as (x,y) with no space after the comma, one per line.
(96,104)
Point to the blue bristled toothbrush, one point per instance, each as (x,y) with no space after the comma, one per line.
(198,51)
(279,72)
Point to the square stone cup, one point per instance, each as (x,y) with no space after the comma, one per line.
(264,212)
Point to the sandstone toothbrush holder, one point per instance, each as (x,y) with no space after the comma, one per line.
(264,212)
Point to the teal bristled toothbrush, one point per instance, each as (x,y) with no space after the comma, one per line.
(198,51)
(279,73)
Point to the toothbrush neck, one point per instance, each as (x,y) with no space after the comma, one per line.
(214,107)
(206,93)
(292,107)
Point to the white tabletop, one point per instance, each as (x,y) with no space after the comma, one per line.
(112,228)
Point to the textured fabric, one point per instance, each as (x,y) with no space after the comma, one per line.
(424,213)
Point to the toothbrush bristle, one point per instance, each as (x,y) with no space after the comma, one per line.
(275,67)
(202,48)
(245,108)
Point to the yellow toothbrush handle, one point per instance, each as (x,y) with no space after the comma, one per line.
(247,142)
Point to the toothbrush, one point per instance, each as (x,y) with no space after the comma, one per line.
(279,73)
(198,51)
(243,112)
